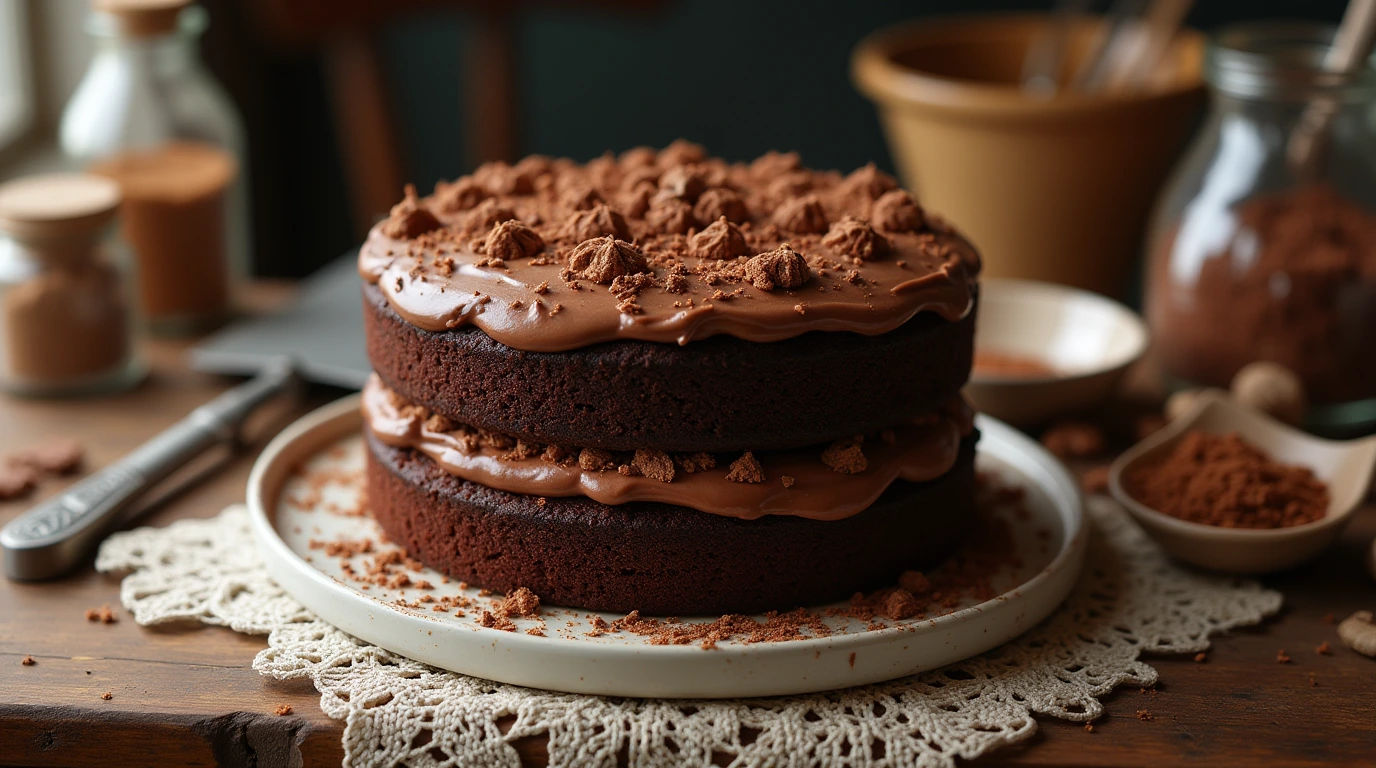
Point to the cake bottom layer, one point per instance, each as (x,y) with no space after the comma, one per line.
(661,559)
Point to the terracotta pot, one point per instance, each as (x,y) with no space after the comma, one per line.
(1056,189)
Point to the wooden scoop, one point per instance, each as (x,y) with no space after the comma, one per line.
(1345,466)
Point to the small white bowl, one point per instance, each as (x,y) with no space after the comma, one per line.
(1344,466)
(1085,341)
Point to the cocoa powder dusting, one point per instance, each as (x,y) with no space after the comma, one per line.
(1224,481)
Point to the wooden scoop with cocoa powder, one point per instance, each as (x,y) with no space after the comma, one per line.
(1343,468)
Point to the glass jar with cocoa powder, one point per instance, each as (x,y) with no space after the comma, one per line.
(67,309)
(149,116)
(1260,252)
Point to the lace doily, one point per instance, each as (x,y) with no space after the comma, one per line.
(1130,599)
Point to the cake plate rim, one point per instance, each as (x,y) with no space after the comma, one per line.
(637,669)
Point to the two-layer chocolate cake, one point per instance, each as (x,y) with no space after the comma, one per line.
(663,382)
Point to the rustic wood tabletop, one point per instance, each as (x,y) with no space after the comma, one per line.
(189,696)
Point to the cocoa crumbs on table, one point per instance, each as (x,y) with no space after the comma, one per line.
(1145,716)
(27,661)
(282,710)
(1074,440)
(107,695)
(1200,657)
(102,614)
(1282,657)
(1324,649)
(1095,481)
(1089,727)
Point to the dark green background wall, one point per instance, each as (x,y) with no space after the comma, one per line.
(740,76)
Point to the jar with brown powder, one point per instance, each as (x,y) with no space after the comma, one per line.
(1257,256)
(67,322)
(149,116)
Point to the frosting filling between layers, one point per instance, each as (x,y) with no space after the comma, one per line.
(796,483)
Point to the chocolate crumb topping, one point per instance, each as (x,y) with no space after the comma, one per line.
(512,240)
(581,198)
(746,469)
(653,464)
(670,216)
(773,163)
(595,460)
(856,238)
(896,211)
(869,182)
(696,462)
(782,267)
(636,201)
(602,260)
(802,214)
(681,152)
(845,456)
(409,219)
(684,182)
(720,202)
(460,195)
(595,222)
(788,481)
(722,240)
(488,214)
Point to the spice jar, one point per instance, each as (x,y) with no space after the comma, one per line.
(1254,256)
(147,115)
(67,323)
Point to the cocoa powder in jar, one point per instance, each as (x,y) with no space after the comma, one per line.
(1294,283)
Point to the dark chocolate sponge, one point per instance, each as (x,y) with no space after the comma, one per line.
(658,558)
(716,394)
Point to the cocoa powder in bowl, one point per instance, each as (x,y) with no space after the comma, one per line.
(1294,283)
(1224,481)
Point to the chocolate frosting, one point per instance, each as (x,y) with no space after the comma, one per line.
(796,483)
(443,278)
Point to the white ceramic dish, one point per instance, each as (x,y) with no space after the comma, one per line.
(1051,545)
(1088,341)
(1344,466)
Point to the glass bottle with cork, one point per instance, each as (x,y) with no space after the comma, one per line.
(149,116)
(67,296)
(1264,242)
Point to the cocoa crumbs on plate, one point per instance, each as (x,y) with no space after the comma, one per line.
(520,602)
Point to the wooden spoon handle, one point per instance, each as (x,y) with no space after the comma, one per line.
(1351,48)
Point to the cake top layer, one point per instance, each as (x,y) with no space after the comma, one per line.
(670,246)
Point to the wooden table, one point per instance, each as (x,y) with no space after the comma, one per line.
(189,696)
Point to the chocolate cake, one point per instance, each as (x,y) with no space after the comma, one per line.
(666,383)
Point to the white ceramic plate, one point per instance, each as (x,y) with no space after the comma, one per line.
(1051,545)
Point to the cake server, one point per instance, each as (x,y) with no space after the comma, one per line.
(57,534)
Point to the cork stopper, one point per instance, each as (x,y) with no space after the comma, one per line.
(57,205)
(142,18)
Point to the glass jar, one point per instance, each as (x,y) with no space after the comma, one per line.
(67,311)
(1256,256)
(149,116)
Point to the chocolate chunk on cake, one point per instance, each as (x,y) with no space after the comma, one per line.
(666,383)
